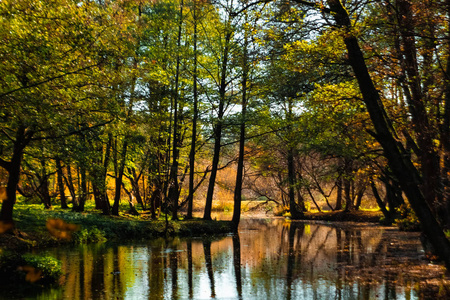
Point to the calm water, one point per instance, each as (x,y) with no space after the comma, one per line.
(269,259)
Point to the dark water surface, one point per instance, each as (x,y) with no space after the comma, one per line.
(269,259)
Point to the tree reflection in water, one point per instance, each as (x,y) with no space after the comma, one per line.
(268,259)
(237,263)
(208,264)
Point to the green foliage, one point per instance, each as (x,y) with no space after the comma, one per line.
(50,266)
(89,235)
(19,269)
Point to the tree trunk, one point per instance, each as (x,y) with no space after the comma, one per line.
(445,129)
(70,186)
(132,209)
(13,169)
(240,166)
(394,196)
(105,205)
(218,126)
(387,214)
(136,189)
(83,189)
(61,189)
(347,193)
(359,196)
(45,193)
(42,188)
(293,208)
(400,163)
(190,198)
(212,176)
(173,180)
(338,194)
(429,158)
(119,178)
(155,201)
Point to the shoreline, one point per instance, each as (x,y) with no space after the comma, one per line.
(93,227)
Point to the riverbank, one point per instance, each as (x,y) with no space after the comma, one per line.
(38,228)
(34,230)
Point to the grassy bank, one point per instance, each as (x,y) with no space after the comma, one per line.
(33,228)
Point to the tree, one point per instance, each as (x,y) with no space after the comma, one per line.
(223,82)
(54,74)
(401,165)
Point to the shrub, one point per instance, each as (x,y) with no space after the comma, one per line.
(90,235)
(48,265)
(29,268)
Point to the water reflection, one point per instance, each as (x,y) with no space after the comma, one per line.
(269,259)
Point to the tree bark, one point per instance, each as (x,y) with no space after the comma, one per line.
(22,139)
(61,189)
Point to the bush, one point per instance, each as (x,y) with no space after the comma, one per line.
(48,265)
(28,268)
(91,235)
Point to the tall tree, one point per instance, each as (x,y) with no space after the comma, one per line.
(223,84)
(244,99)
(173,180)
(190,197)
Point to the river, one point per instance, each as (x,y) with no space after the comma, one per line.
(269,259)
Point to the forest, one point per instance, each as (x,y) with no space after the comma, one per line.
(174,106)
